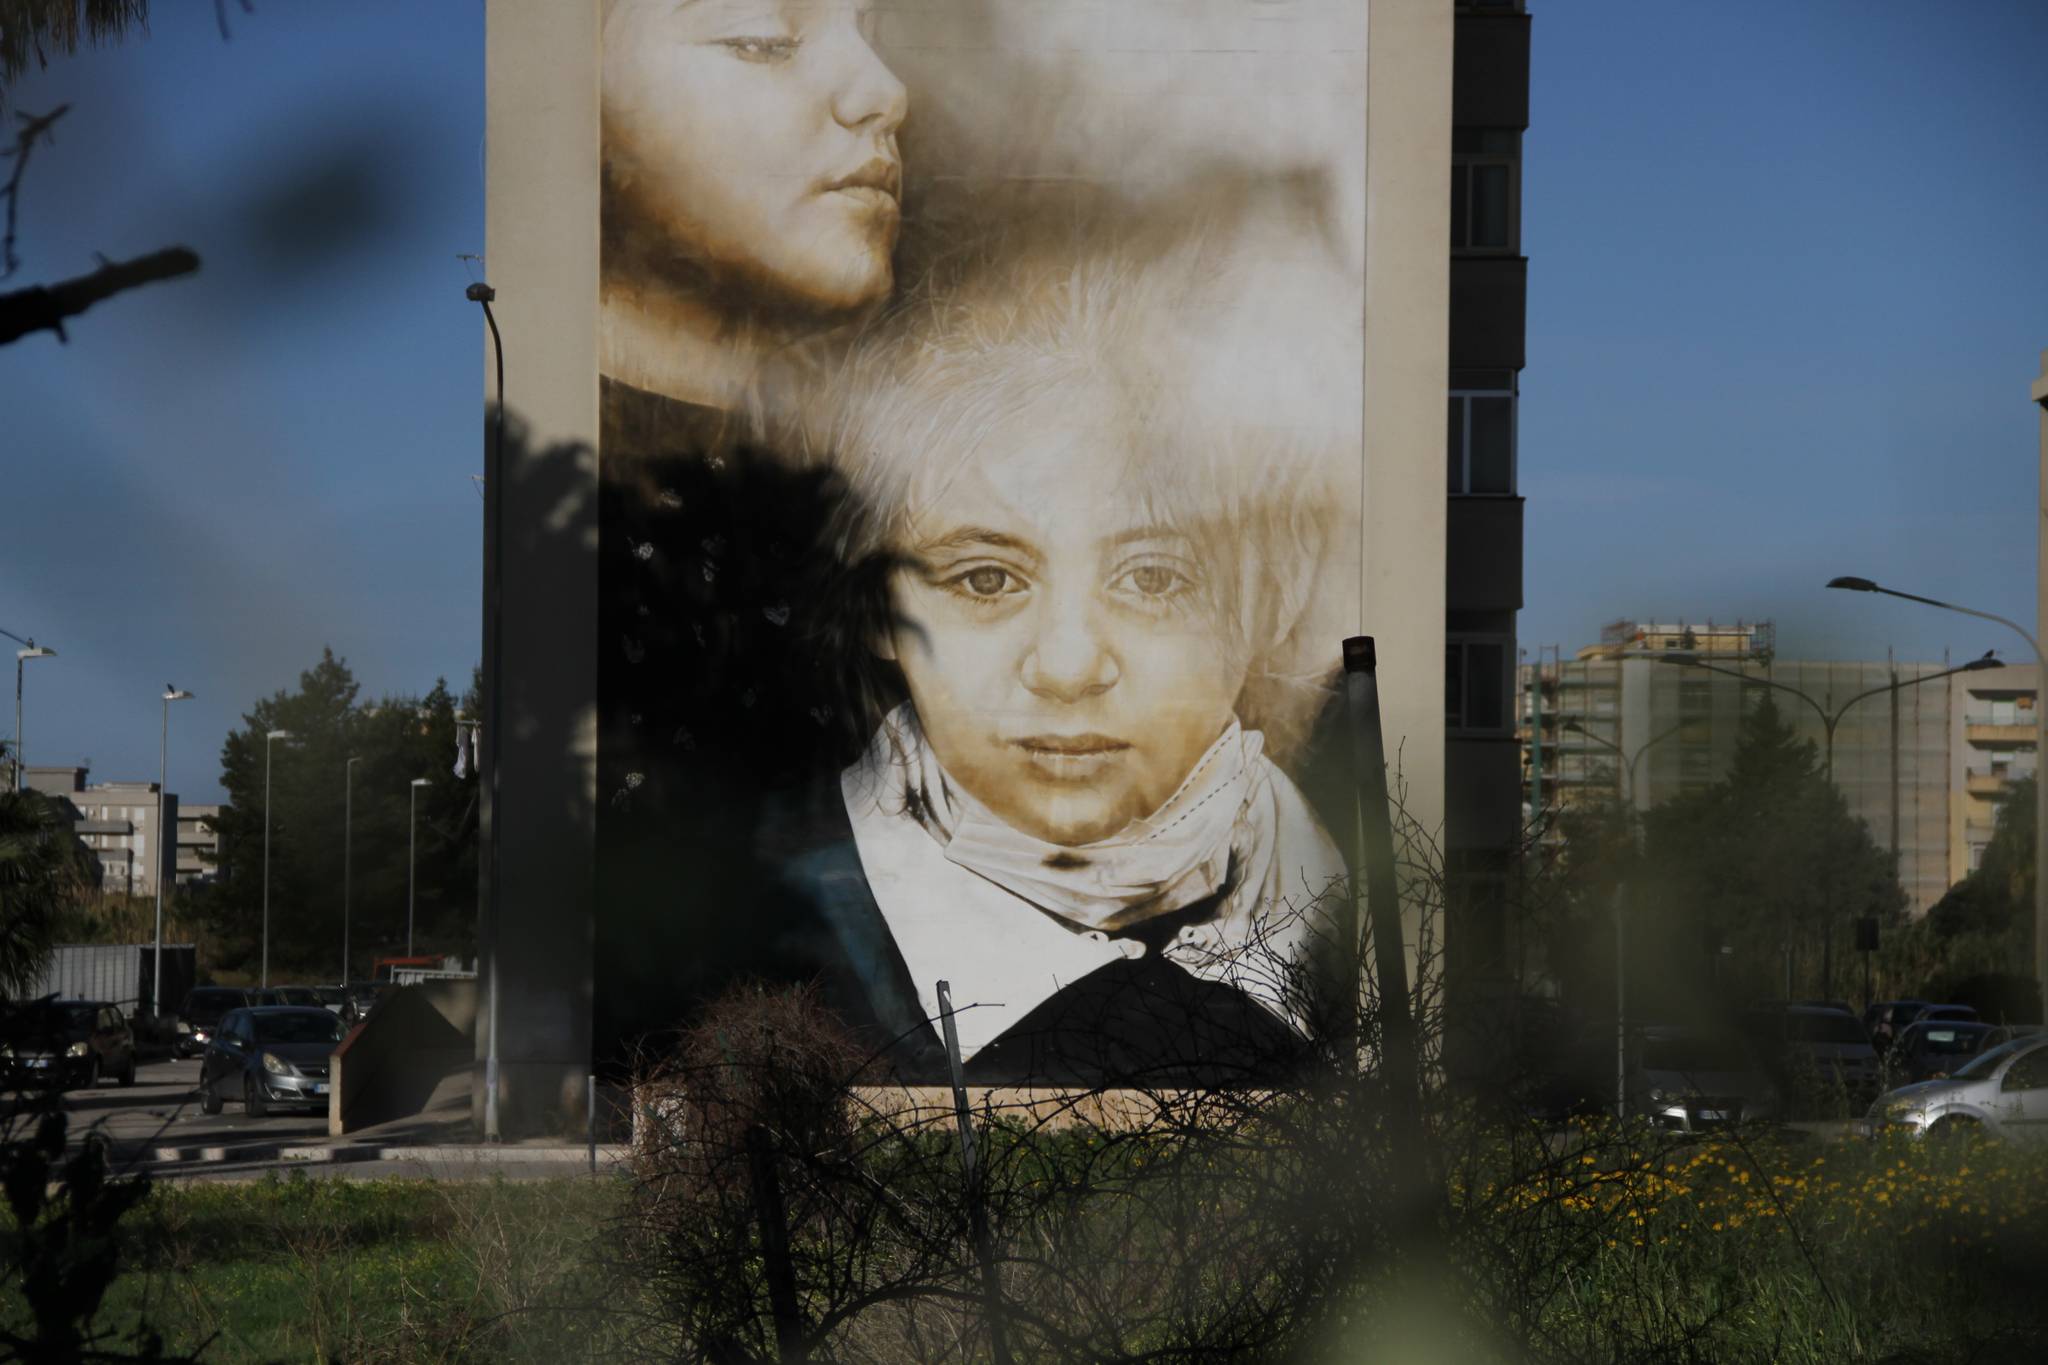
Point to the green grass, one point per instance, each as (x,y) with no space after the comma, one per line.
(1630,1248)
(324,1269)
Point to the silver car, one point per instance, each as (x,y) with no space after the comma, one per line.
(2002,1092)
(269,1056)
(1688,1082)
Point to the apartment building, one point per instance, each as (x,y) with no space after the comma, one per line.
(1483,533)
(118,822)
(1921,752)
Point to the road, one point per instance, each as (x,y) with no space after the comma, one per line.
(155,1125)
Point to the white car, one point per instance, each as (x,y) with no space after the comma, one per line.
(2002,1092)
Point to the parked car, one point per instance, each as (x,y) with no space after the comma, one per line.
(201,1013)
(361,998)
(1687,1081)
(1933,1049)
(1940,1013)
(307,996)
(68,1043)
(1885,1020)
(2005,1033)
(269,1055)
(1815,1054)
(332,998)
(2001,1092)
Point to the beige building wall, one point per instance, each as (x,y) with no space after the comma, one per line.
(1992,741)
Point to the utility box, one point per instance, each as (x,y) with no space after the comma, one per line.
(122,974)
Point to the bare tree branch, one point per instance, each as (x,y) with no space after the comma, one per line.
(45,307)
(33,126)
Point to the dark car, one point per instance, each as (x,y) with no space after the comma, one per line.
(267,1056)
(360,997)
(1945,1013)
(1885,1020)
(202,1010)
(68,1042)
(1932,1049)
(1816,1055)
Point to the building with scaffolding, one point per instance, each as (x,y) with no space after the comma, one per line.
(1921,753)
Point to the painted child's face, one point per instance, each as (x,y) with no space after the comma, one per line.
(1060,644)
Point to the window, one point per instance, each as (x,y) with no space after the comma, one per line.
(1476,684)
(1479,432)
(2028,1073)
(1486,190)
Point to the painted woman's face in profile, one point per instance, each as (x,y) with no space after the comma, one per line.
(758,138)
(1062,649)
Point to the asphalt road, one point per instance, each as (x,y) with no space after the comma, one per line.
(161,1112)
(162,1109)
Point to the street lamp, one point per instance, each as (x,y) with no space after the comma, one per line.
(1850,584)
(31,650)
(1620,921)
(412,857)
(171,694)
(348,813)
(268,740)
(1830,721)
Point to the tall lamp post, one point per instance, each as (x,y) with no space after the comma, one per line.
(1628,799)
(412,857)
(269,739)
(171,694)
(1830,721)
(29,650)
(1849,584)
(348,815)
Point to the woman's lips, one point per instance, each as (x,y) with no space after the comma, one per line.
(1071,758)
(877,184)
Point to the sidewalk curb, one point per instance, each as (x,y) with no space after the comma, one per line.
(608,1154)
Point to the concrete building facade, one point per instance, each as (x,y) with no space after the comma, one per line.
(1483,528)
(1921,755)
(118,822)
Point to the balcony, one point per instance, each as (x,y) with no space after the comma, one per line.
(1490,71)
(1985,735)
(1489,308)
(1483,554)
(1990,786)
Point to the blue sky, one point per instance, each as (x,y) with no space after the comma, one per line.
(1788,285)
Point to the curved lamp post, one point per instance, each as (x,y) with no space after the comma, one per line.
(1830,720)
(1851,584)
(171,694)
(30,650)
(1620,921)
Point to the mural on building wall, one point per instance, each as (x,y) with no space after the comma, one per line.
(981,479)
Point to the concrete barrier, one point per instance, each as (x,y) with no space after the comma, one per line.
(390,1063)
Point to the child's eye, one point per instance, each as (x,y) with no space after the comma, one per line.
(1154,580)
(760,49)
(987,581)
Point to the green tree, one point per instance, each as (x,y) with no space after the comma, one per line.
(44,871)
(314,824)
(1768,864)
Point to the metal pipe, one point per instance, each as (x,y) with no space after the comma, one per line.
(482,294)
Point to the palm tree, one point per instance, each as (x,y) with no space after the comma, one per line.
(44,868)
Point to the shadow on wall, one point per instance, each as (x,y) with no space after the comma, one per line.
(542,826)
(390,1064)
